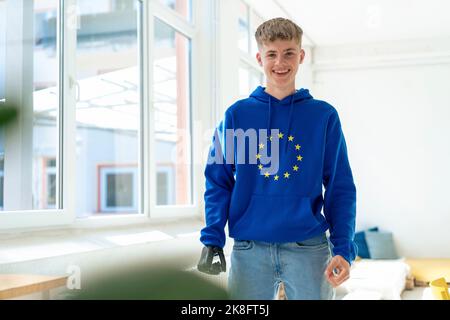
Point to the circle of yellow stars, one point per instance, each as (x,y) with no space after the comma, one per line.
(286,174)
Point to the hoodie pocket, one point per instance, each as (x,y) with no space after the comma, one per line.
(288,214)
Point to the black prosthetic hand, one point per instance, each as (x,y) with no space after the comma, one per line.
(206,264)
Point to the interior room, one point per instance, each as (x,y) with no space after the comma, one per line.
(108,110)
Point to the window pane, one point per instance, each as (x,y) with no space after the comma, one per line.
(2,49)
(172,113)
(183,7)
(249,79)
(108,105)
(243,27)
(1,180)
(36,133)
(255,21)
(2,88)
(120,190)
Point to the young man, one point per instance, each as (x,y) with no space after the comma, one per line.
(273,204)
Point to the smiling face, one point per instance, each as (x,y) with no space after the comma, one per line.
(280,60)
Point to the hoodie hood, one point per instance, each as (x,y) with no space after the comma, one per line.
(260,94)
(299,95)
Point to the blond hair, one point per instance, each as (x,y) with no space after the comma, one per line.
(278,29)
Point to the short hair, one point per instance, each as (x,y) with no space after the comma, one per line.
(278,29)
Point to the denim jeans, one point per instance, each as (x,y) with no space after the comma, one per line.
(258,268)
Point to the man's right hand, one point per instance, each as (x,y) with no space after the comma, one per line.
(206,264)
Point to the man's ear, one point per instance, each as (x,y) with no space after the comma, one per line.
(302,56)
(258,58)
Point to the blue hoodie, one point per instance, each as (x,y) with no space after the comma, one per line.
(283,206)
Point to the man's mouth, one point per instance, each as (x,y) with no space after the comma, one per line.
(281,72)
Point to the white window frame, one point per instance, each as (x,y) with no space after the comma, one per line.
(17,78)
(66,38)
(246,58)
(179,23)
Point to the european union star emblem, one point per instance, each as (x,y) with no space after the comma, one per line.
(297,158)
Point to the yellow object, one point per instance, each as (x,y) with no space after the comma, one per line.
(426,270)
(439,289)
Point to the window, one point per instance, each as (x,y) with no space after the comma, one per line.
(118,188)
(249,79)
(244,36)
(50,183)
(1,180)
(2,49)
(108,106)
(171,69)
(182,7)
(165,182)
(250,73)
(255,22)
(36,93)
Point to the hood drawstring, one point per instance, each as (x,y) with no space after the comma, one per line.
(269,133)
(291,108)
(290,121)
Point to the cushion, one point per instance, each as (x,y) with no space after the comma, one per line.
(360,240)
(361,294)
(381,245)
(387,277)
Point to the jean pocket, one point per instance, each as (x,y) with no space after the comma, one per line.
(315,243)
(242,244)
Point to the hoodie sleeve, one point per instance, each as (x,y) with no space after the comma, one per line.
(340,192)
(219,185)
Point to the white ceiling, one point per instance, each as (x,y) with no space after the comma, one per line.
(333,22)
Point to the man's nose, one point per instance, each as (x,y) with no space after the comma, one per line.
(279,59)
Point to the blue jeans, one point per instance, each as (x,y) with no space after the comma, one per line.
(258,268)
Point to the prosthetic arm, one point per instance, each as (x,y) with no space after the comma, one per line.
(206,264)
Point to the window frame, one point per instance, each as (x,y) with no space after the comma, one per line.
(62,215)
(65,215)
(246,57)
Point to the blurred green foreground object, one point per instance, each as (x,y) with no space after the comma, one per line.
(144,282)
(7,113)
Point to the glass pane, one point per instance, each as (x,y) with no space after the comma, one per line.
(120,190)
(23,170)
(108,105)
(244,88)
(171,74)
(243,27)
(183,7)
(255,21)
(249,79)
(2,49)
(2,88)
(1,181)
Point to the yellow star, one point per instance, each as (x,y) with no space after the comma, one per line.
(286,174)
(276,178)
(261,145)
(297,147)
(266,175)
(299,158)
(295,168)
(291,138)
(258,156)
(280,135)
(260,167)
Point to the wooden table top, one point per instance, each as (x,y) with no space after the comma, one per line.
(15,285)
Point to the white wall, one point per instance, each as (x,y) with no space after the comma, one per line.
(394,104)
